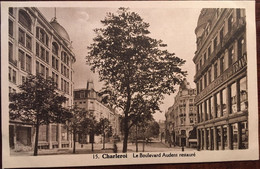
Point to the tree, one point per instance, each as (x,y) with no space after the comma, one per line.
(38,103)
(78,124)
(131,64)
(105,129)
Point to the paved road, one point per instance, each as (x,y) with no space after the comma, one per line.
(155,146)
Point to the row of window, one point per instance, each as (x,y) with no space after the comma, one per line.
(217,40)
(238,137)
(235,96)
(221,65)
(64,86)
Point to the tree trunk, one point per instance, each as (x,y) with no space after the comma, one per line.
(136,141)
(92,146)
(35,153)
(126,132)
(143,143)
(104,137)
(74,143)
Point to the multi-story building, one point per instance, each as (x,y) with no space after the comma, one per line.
(91,101)
(37,46)
(181,117)
(221,79)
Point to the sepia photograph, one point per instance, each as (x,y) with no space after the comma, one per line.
(114,83)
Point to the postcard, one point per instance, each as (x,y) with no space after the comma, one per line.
(128,82)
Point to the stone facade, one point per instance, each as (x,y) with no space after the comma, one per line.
(37,46)
(221,79)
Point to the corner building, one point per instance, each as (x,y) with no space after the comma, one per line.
(37,46)
(181,118)
(221,79)
(90,100)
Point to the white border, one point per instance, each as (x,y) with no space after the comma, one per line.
(86,160)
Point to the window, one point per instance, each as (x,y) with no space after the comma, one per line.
(47,72)
(218,107)
(22,59)
(55,48)
(10,50)
(10,74)
(205,57)
(14,77)
(28,64)
(206,111)
(215,42)
(233,92)
(209,76)
(209,51)
(230,23)
(21,37)
(224,101)
(37,49)
(42,36)
(28,42)
(231,58)
(241,47)
(209,113)
(11,28)
(205,80)
(215,70)
(221,35)
(42,70)
(197,68)
(47,57)
(200,85)
(200,63)
(11,10)
(37,67)
(202,111)
(221,64)
(243,94)
(55,63)
(25,20)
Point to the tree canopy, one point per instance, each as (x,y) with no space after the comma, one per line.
(133,66)
(37,103)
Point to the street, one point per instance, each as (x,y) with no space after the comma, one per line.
(154,146)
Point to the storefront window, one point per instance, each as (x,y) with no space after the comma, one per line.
(234,136)
(244,135)
(225,137)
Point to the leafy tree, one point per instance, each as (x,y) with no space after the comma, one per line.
(132,65)
(105,129)
(78,124)
(38,103)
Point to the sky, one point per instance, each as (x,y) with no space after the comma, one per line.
(175,27)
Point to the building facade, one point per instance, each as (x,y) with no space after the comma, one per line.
(181,117)
(37,46)
(221,79)
(89,100)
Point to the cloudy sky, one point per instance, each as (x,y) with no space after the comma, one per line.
(174,26)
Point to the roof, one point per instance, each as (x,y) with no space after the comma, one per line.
(61,31)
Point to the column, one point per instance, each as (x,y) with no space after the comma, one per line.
(59,135)
(229,137)
(215,141)
(210,145)
(49,136)
(198,139)
(239,135)
(201,139)
(205,139)
(222,146)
